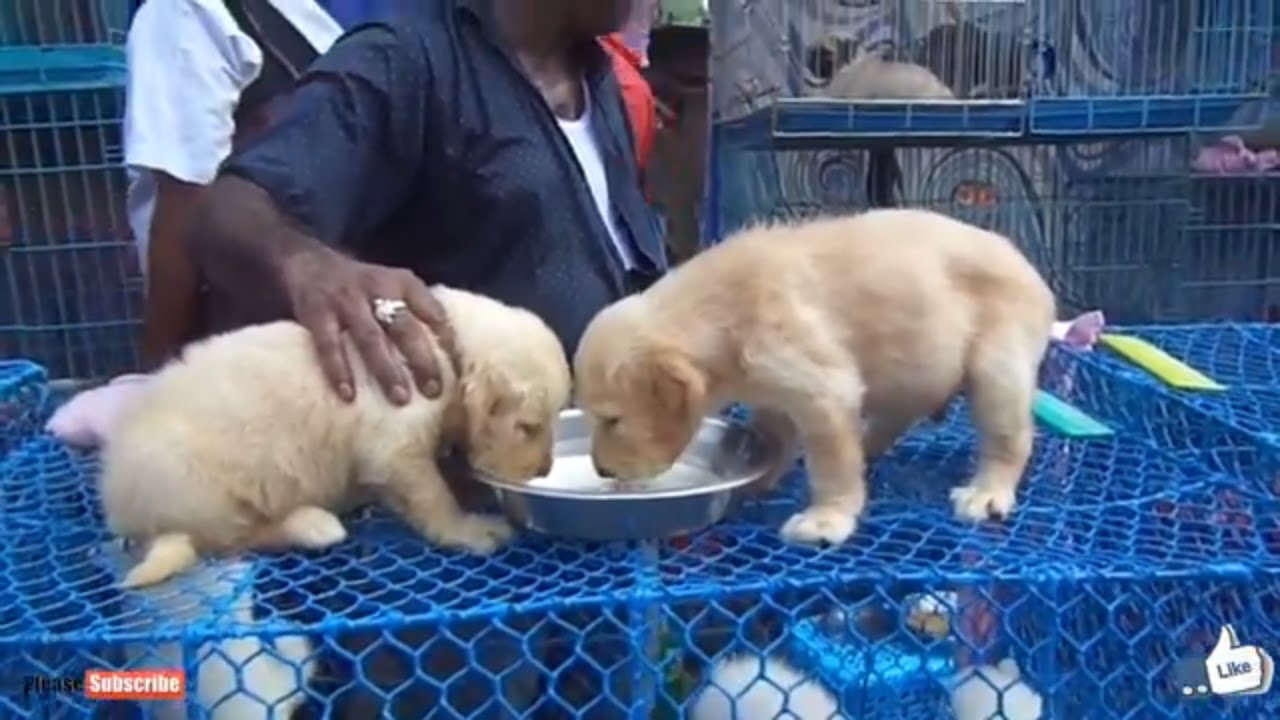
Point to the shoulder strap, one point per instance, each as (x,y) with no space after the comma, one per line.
(285,53)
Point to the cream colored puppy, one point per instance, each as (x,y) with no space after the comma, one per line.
(241,444)
(750,687)
(870,77)
(886,314)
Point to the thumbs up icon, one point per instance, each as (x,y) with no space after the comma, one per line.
(1236,669)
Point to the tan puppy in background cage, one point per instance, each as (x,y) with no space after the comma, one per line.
(849,328)
(241,444)
(868,76)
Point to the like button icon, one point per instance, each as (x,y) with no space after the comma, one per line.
(1236,669)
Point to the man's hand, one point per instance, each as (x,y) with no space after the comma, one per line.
(331,293)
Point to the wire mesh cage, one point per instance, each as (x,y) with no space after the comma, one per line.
(64,43)
(50,23)
(69,284)
(868,51)
(1136,65)
(913,50)
(1140,48)
(23,396)
(1232,235)
(989,67)
(1125,227)
(1126,556)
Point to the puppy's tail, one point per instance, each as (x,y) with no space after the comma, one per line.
(168,555)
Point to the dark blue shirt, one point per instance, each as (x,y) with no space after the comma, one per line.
(419,143)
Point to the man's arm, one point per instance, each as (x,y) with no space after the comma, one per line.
(187,68)
(343,158)
(339,161)
(171,317)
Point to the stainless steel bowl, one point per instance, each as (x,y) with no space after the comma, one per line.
(572,501)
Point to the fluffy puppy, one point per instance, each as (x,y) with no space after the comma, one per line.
(750,687)
(240,444)
(994,691)
(870,77)
(888,313)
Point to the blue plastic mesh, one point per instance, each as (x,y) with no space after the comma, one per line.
(1125,556)
(1245,358)
(23,396)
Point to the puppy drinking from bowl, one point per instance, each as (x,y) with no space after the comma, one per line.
(240,444)
(849,328)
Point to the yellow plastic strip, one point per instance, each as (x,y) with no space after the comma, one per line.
(1159,363)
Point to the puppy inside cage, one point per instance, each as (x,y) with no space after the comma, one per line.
(920,49)
(917,50)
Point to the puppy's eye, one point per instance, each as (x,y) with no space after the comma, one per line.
(530,429)
(609,423)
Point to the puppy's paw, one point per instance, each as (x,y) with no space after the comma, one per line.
(313,528)
(977,501)
(481,534)
(819,525)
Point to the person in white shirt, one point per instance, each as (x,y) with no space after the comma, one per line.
(192,66)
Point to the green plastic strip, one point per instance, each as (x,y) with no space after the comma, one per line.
(1067,419)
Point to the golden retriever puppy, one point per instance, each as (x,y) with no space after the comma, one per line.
(241,444)
(876,320)
(870,77)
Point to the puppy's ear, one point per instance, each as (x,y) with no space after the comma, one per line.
(676,385)
(487,393)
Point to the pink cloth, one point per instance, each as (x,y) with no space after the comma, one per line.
(1229,155)
(1080,332)
(86,419)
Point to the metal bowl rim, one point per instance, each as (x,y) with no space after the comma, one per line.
(771,445)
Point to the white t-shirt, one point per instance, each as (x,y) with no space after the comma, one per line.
(189,62)
(586,146)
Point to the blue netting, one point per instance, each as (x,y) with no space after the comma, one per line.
(23,395)
(1246,359)
(1125,556)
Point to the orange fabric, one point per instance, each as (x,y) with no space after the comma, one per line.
(642,110)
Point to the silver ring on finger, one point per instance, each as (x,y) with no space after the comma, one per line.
(386,311)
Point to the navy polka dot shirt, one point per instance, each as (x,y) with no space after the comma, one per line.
(419,143)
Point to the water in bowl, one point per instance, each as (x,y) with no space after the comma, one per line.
(576,473)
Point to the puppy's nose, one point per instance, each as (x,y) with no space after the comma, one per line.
(601,470)
(545,469)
